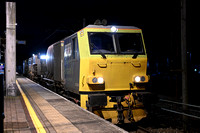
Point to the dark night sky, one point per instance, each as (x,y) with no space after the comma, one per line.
(42,23)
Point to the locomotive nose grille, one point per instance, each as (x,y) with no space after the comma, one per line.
(117,75)
(117,71)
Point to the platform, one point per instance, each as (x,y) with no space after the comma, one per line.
(37,109)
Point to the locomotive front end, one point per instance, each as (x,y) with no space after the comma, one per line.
(113,65)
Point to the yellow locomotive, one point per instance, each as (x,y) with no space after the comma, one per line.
(105,67)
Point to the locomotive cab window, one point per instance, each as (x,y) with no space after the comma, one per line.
(101,42)
(75,50)
(130,43)
(71,49)
(115,43)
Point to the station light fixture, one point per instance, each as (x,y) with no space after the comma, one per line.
(44,57)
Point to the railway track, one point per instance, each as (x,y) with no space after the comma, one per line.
(168,116)
(179,115)
(142,130)
(179,108)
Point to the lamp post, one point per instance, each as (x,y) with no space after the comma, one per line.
(10,53)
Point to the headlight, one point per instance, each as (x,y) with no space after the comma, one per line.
(95,80)
(100,80)
(140,79)
(137,79)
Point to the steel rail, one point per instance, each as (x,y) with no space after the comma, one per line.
(181,113)
(142,130)
(195,106)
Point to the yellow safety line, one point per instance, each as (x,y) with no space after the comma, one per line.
(36,121)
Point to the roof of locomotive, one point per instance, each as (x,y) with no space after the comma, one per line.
(110,26)
(98,26)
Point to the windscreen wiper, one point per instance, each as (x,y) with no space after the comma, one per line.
(101,53)
(135,56)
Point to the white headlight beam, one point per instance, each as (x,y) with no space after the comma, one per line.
(137,79)
(100,80)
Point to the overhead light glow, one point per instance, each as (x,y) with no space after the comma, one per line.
(44,57)
(114,29)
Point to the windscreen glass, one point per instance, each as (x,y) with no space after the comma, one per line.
(115,43)
(101,42)
(130,43)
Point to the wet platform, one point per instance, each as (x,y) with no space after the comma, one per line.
(37,109)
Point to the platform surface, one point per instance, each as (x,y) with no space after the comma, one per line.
(16,119)
(55,113)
